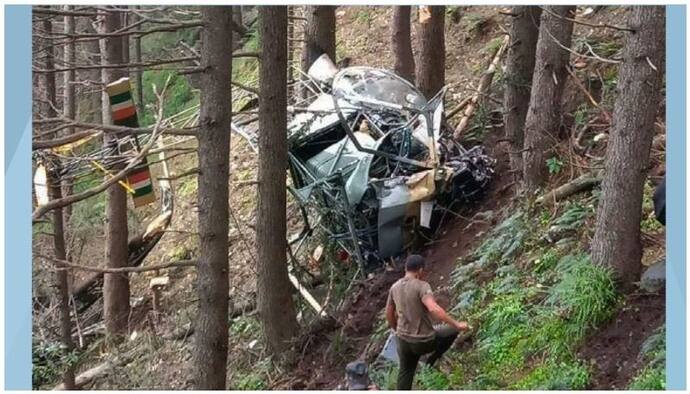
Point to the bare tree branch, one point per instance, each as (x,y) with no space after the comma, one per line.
(580,22)
(52,143)
(50,11)
(64,264)
(125,65)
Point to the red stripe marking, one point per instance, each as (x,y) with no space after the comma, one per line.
(124,113)
(139,176)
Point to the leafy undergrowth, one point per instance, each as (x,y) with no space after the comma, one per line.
(532,296)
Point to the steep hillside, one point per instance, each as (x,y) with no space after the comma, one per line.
(543,316)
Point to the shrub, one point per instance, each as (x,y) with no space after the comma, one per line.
(585,295)
(505,311)
(49,361)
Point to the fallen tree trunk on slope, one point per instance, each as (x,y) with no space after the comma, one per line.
(99,370)
(577,185)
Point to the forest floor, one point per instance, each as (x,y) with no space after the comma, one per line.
(161,342)
(635,321)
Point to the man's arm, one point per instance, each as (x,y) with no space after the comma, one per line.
(391,316)
(440,314)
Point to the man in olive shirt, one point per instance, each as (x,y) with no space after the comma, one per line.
(409,309)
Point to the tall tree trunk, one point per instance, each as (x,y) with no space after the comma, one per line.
(70,58)
(319,34)
(275,303)
(49,77)
(89,102)
(61,280)
(211,347)
(431,61)
(402,43)
(125,38)
(115,286)
(616,242)
(524,32)
(69,104)
(544,113)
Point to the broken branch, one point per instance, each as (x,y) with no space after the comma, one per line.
(484,84)
(63,264)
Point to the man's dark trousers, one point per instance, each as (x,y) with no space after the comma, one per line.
(409,353)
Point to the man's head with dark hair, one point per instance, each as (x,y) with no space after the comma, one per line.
(414,263)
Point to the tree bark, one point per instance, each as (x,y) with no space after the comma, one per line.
(431,63)
(616,242)
(70,58)
(61,280)
(524,32)
(125,38)
(69,104)
(548,80)
(276,307)
(89,102)
(238,19)
(291,53)
(211,345)
(319,34)
(49,77)
(115,286)
(138,73)
(401,43)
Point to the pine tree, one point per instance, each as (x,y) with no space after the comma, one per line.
(115,286)
(211,347)
(524,32)
(401,43)
(616,242)
(275,304)
(431,63)
(544,113)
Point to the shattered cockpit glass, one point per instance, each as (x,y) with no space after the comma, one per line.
(375,86)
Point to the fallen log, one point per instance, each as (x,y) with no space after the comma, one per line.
(99,370)
(484,84)
(577,185)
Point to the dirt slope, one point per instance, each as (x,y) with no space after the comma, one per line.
(613,350)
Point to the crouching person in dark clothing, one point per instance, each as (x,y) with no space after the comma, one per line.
(409,309)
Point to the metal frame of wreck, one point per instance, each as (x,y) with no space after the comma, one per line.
(331,188)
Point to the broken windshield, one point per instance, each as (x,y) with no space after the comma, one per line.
(377,86)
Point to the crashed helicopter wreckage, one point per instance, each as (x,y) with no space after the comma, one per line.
(377,162)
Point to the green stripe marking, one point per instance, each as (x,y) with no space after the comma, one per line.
(119,98)
(143,191)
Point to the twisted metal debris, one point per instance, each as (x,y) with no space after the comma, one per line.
(376,161)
